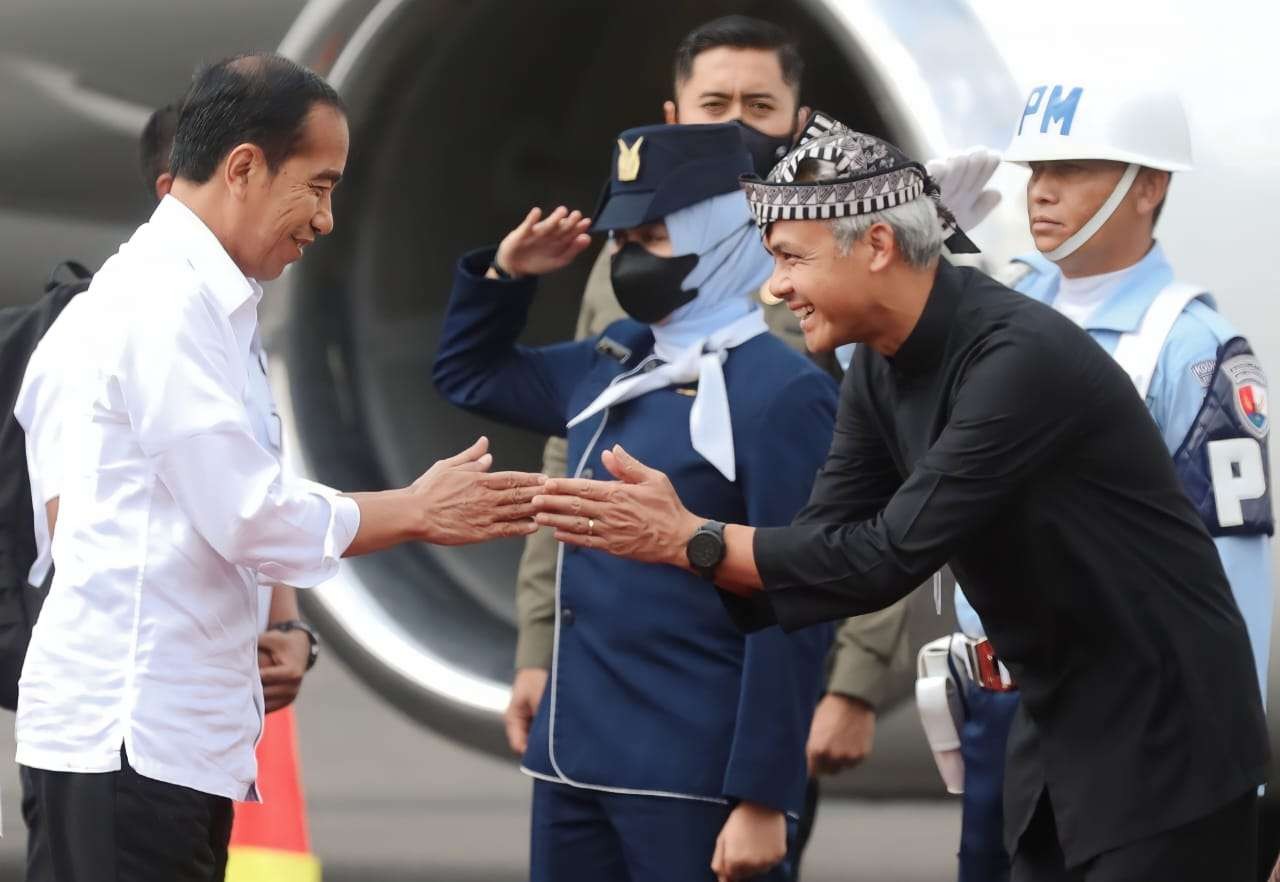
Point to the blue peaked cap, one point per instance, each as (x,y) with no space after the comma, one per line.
(658,170)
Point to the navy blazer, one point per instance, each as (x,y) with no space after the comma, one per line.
(653,689)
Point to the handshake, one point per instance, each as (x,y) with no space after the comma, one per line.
(458,501)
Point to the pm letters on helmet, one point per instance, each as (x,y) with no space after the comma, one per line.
(1056,109)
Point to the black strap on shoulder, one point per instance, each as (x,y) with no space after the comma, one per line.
(78,271)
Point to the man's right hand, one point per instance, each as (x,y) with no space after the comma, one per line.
(963,180)
(526,695)
(455,502)
(543,245)
(841,736)
(461,502)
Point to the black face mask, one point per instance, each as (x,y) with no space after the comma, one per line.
(765,150)
(648,286)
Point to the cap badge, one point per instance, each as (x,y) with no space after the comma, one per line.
(629,160)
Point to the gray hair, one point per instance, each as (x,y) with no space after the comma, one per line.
(915,226)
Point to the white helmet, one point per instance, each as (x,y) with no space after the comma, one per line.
(1138,125)
(1143,125)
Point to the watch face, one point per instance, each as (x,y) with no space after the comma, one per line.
(704,549)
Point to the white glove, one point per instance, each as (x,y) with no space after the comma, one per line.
(962,178)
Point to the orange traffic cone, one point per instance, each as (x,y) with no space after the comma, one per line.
(269,841)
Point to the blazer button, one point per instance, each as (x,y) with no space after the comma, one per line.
(588,473)
(566,616)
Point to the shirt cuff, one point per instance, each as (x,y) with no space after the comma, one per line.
(344,519)
(346,523)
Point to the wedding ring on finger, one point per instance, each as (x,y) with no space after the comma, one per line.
(591,527)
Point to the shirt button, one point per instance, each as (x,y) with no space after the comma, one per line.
(588,473)
(566,616)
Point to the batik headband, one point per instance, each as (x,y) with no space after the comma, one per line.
(846,173)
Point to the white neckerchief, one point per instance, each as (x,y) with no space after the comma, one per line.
(710,428)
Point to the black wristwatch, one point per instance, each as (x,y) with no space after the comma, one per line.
(299,625)
(705,549)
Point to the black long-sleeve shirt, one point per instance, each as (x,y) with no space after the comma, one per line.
(1001,439)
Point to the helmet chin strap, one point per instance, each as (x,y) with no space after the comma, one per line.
(1100,217)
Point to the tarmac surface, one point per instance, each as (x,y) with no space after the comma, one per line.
(389,801)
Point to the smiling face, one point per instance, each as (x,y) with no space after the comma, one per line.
(828,291)
(727,84)
(280,213)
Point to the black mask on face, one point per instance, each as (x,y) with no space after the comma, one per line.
(648,286)
(765,150)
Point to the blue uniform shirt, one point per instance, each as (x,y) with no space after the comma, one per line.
(1176,399)
(653,689)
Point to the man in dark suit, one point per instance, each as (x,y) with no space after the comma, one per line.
(982,429)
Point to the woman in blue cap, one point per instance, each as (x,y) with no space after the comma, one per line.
(670,746)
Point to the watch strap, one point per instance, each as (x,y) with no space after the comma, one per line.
(715,528)
(299,625)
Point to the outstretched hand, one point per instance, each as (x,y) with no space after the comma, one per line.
(963,179)
(639,516)
(462,502)
(543,245)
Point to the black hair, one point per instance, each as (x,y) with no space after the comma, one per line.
(260,99)
(740,32)
(155,145)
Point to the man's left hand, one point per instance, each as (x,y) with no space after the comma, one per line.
(639,516)
(282,662)
(753,839)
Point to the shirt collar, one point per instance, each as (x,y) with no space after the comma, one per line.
(924,345)
(1122,312)
(181,226)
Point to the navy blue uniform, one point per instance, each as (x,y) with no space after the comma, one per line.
(654,692)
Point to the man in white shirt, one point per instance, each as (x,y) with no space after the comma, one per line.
(287,647)
(140,703)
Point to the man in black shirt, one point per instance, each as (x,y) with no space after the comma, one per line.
(980,428)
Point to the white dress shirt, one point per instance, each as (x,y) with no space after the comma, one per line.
(264,418)
(41,421)
(171,513)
